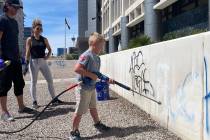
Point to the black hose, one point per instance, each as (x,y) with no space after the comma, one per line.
(36,118)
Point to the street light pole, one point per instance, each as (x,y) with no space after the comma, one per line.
(66,24)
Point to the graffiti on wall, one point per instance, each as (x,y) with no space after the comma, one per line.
(138,71)
(179,104)
(207,96)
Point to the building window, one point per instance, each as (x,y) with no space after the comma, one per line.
(131,16)
(136,30)
(185,13)
(107,47)
(179,7)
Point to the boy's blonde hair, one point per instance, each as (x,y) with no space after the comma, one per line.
(95,38)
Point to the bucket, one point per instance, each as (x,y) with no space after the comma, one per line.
(102,90)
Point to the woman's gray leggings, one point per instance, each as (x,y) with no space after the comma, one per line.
(34,67)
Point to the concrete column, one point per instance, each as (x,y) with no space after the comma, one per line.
(152,20)
(102,18)
(111,40)
(123,7)
(110,12)
(124,32)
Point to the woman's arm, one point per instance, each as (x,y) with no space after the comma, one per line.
(28,47)
(48,48)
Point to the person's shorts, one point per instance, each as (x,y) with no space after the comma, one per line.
(13,73)
(86,99)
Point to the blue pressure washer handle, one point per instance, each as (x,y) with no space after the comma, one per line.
(101,76)
(105,78)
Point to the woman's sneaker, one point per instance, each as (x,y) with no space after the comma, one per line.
(26,110)
(7,117)
(75,135)
(56,101)
(35,105)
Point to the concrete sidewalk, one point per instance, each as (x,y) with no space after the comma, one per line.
(128,122)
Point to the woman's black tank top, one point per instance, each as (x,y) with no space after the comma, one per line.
(38,47)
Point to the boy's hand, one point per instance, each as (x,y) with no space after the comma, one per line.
(111,81)
(101,76)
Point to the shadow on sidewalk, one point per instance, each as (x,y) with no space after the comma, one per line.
(69,103)
(64,103)
(28,115)
(113,98)
(122,132)
(55,112)
(48,137)
(51,111)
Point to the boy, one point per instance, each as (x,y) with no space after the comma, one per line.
(86,68)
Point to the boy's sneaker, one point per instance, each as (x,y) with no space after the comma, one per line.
(56,101)
(101,127)
(35,105)
(25,110)
(7,117)
(75,135)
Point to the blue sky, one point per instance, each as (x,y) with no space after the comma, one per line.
(52,13)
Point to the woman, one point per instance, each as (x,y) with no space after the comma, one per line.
(35,49)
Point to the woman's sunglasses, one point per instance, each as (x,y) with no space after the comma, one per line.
(38,28)
(16,7)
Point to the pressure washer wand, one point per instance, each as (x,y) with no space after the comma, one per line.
(128,88)
(105,78)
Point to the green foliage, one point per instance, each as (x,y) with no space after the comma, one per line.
(72,56)
(139,41)
(75,56)
(182,33)
(68,57)
(102,53)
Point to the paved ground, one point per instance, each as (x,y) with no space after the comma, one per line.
(127,121)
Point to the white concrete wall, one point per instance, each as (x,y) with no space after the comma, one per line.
(172,72)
